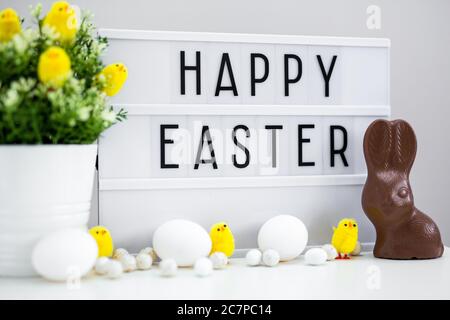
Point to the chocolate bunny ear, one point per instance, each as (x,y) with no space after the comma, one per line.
(405,146)
(378,143)
(390,145)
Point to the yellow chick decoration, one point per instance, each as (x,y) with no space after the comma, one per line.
(62,18)
(54,67)
(345,237)
(9,24)
(115,76)
(222,239)
(104,241)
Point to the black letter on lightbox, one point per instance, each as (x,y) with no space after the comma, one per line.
(301,141)
(207,134)
(340,151)
(184,68)
(226,63)
(297,78)
(241,146)
(326,74)
(274,143)
(253,80)
(163,143)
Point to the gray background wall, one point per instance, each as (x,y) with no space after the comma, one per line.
(420,58)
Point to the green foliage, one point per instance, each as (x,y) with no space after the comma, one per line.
(34,113)
(85,55)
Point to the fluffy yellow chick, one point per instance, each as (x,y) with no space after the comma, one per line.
(63,19)
(104,241)
(345,237)
(54,67)
(115,76)
(9,24)
(222,239)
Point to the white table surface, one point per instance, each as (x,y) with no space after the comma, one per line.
(363,277)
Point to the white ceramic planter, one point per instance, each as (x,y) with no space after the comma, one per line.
(43,188)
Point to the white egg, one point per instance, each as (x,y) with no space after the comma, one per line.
(65,254)
(168,267)
(181,240)
(101,265)
(219,260)
(285,234)
(114,269)
(144,261)
(331,251)
(150,251)
(203,267)
(316,256)
(119,253)
(128,263)
(357,250)
(253,257)
(270,257)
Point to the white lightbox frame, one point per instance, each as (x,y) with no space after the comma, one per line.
(122,188)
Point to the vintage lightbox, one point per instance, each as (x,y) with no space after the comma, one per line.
(239,128)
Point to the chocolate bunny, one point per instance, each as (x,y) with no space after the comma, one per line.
(403,232)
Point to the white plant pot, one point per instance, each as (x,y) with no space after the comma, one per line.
(43,188)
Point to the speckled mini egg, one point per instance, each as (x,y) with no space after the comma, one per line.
(219,260)
(168,268)
(331,251)
(253,257)
(114,269)
(316,256)
(150,251)
(144,261)
(119,252)
(203,267)
(128,263)
(181,240)
(64,254)
(357,250)
(270,258)
(101,265)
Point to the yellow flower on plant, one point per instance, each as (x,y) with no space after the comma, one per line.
(54,67)
(62,18)
(114,76)
(9,24)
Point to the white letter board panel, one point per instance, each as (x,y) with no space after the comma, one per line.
(239,128)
